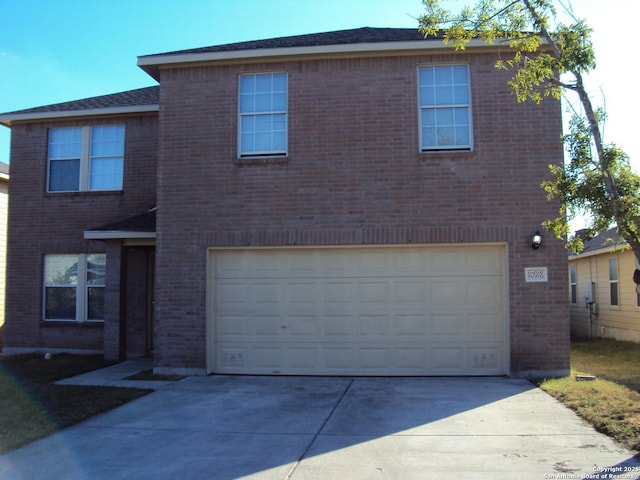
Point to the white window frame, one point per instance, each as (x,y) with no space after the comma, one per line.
(275,112)
(573,284)
(85,159)
(81,287)
(636,289)
(422,108)
(613,282)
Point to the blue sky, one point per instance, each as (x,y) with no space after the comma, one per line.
(58,50)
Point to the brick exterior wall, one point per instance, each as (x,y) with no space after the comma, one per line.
(354,175)
(42,223)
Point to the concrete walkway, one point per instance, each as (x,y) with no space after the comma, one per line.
(228,427)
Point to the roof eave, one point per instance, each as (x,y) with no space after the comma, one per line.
(599,251)
(8,119)
(153,63)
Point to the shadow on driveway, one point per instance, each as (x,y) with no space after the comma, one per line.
(228,427)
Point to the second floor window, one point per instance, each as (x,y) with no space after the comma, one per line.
(85,158)
(445,107)
(263,115)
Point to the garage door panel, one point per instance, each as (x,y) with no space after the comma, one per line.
(447,358)
(445,291)
(411,326)
(230,325)
(337,293)
(336,326)
(372,326)
(374,358)
(412,358)
(229,292)
(409,292)
(303,358)
(302,328)
(484,290)
(484,324)
(373,292)
(446,325)
(265,327)
(339,359)
(264,292)
(301,292)
(359,311)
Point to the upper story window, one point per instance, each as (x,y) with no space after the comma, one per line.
(263,115)
(445,107)
(85,159)
(74,287)
(613,281)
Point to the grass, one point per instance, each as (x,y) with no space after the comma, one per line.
(611,403)
(32,407)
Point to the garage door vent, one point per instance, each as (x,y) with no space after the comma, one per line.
(485,359)
(232,358)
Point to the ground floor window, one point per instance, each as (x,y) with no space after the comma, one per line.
(74,287)
(573,279)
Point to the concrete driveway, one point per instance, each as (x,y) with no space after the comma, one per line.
(227,427)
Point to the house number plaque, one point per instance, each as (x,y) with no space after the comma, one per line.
(536,274)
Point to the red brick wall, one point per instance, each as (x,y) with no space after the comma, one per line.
(354,175)
(41,223)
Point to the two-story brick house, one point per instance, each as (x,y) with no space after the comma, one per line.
(355,202)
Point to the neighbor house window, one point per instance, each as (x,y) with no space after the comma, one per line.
(613,281)
(74,287)
(573,283)
(262,115)
(85,158)
(445,107)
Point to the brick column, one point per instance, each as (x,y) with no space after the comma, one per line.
(114,348)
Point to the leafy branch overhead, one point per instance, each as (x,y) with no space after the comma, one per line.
(549,59)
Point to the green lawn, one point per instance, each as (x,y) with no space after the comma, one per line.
(32,407)
(611,403)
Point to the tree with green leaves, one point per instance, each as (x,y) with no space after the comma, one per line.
(551,59)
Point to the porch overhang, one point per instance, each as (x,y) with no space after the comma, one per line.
(137,227)
(116,234)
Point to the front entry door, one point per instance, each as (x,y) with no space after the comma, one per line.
(139,287)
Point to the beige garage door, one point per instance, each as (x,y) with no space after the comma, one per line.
(358,311)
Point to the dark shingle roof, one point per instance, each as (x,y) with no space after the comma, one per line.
(340,37)
(130,98)
(142,222)
(610,238)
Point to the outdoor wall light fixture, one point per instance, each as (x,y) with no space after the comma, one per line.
(536,240)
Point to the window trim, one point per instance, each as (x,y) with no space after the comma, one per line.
(266,154)
(81,287)
(469,106)
(86,160)
(573,284)
(637,264)
(613,282)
